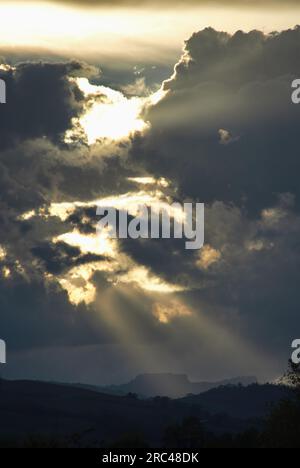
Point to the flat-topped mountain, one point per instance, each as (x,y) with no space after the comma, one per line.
(171,385)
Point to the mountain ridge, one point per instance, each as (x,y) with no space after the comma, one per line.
(40,408)
(150,385)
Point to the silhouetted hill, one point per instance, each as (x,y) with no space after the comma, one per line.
(41,408)
(252,401)
(171,385)
(28,408)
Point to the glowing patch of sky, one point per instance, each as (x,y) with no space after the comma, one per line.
(109,114)
(133,33)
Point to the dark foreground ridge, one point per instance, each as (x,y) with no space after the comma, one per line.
(37,409)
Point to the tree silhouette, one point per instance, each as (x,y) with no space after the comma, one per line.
(283,425)
(189,434)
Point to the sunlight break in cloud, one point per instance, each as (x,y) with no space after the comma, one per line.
(109,114)
(161,182)
(149,282)
(78,284)
(78,281)
(93,244)
(131,202)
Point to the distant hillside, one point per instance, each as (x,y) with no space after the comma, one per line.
(171,385)
(28,408)
(241,402)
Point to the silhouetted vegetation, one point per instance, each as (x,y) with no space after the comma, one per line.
(189,434)
(282,429)
(130,441)
(160,422)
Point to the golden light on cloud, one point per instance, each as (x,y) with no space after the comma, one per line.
(272,216)
(27,215)
(148,282)
(130,201)
(120,268)
(78,282)
(109,114)
(80,287)
(3,253)
(207,257)
(6,272)
(6,67)
(165,313)
(62,210)
(14,267)
(154,199)
(161,182)
(94,243)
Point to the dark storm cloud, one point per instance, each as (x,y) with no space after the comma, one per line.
(238,88)
(36,172)
(36,315)
(36,165)
(37,168)
(41,100)
(239,85)
(253,284)
(60,257)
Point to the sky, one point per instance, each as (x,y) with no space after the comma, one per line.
(117,104)
(123,32)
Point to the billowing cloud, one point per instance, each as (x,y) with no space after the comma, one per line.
(42,101)
(241,83)
(235,301)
